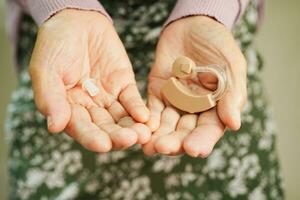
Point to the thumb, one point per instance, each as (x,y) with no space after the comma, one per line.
(229,111)
(50,97)
(231,104)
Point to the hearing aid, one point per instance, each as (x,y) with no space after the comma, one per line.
(182,97)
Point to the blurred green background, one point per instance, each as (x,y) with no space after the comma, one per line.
(7,84)
(278,40)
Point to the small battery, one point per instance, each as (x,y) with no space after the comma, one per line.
(90,86)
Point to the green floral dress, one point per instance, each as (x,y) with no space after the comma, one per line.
(44,166)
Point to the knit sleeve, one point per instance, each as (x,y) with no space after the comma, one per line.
(41,10)
(226,12)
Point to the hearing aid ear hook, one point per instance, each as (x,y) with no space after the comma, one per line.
(184,98)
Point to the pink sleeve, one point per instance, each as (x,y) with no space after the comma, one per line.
(226,12)
(41,10)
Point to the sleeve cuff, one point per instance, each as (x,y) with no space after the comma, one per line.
(224,11)
(41,10)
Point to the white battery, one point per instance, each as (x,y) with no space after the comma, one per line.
(90,86)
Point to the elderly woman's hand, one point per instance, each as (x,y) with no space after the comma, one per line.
(72,46)
(206,42)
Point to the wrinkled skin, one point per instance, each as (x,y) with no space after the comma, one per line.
(205,41)
(72,46)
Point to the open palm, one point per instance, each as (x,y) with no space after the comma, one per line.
(75,45)
(205,41)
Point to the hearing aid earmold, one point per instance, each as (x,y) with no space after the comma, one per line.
(183,97)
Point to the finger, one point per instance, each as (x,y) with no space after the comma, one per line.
(100,116)
(208,80)
(168,124)
(230,106)
(187,122)
(204,137)
(133,103)
(116,78)
(142,130)
(117,111)
(172,143)
(78,96)
(155,106)
(50,97)
(102,99)
(121,137)
(87,133)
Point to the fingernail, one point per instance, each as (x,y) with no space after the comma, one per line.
(49,121)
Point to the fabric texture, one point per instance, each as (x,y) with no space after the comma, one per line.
(41,10)
(226,12)
(46,166)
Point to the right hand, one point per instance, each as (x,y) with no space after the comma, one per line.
(74,45)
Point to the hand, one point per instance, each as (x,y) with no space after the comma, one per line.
(72,46)
(205,41)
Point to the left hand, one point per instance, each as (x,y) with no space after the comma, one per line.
(205,41)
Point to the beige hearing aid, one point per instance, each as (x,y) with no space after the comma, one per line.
(183,97)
